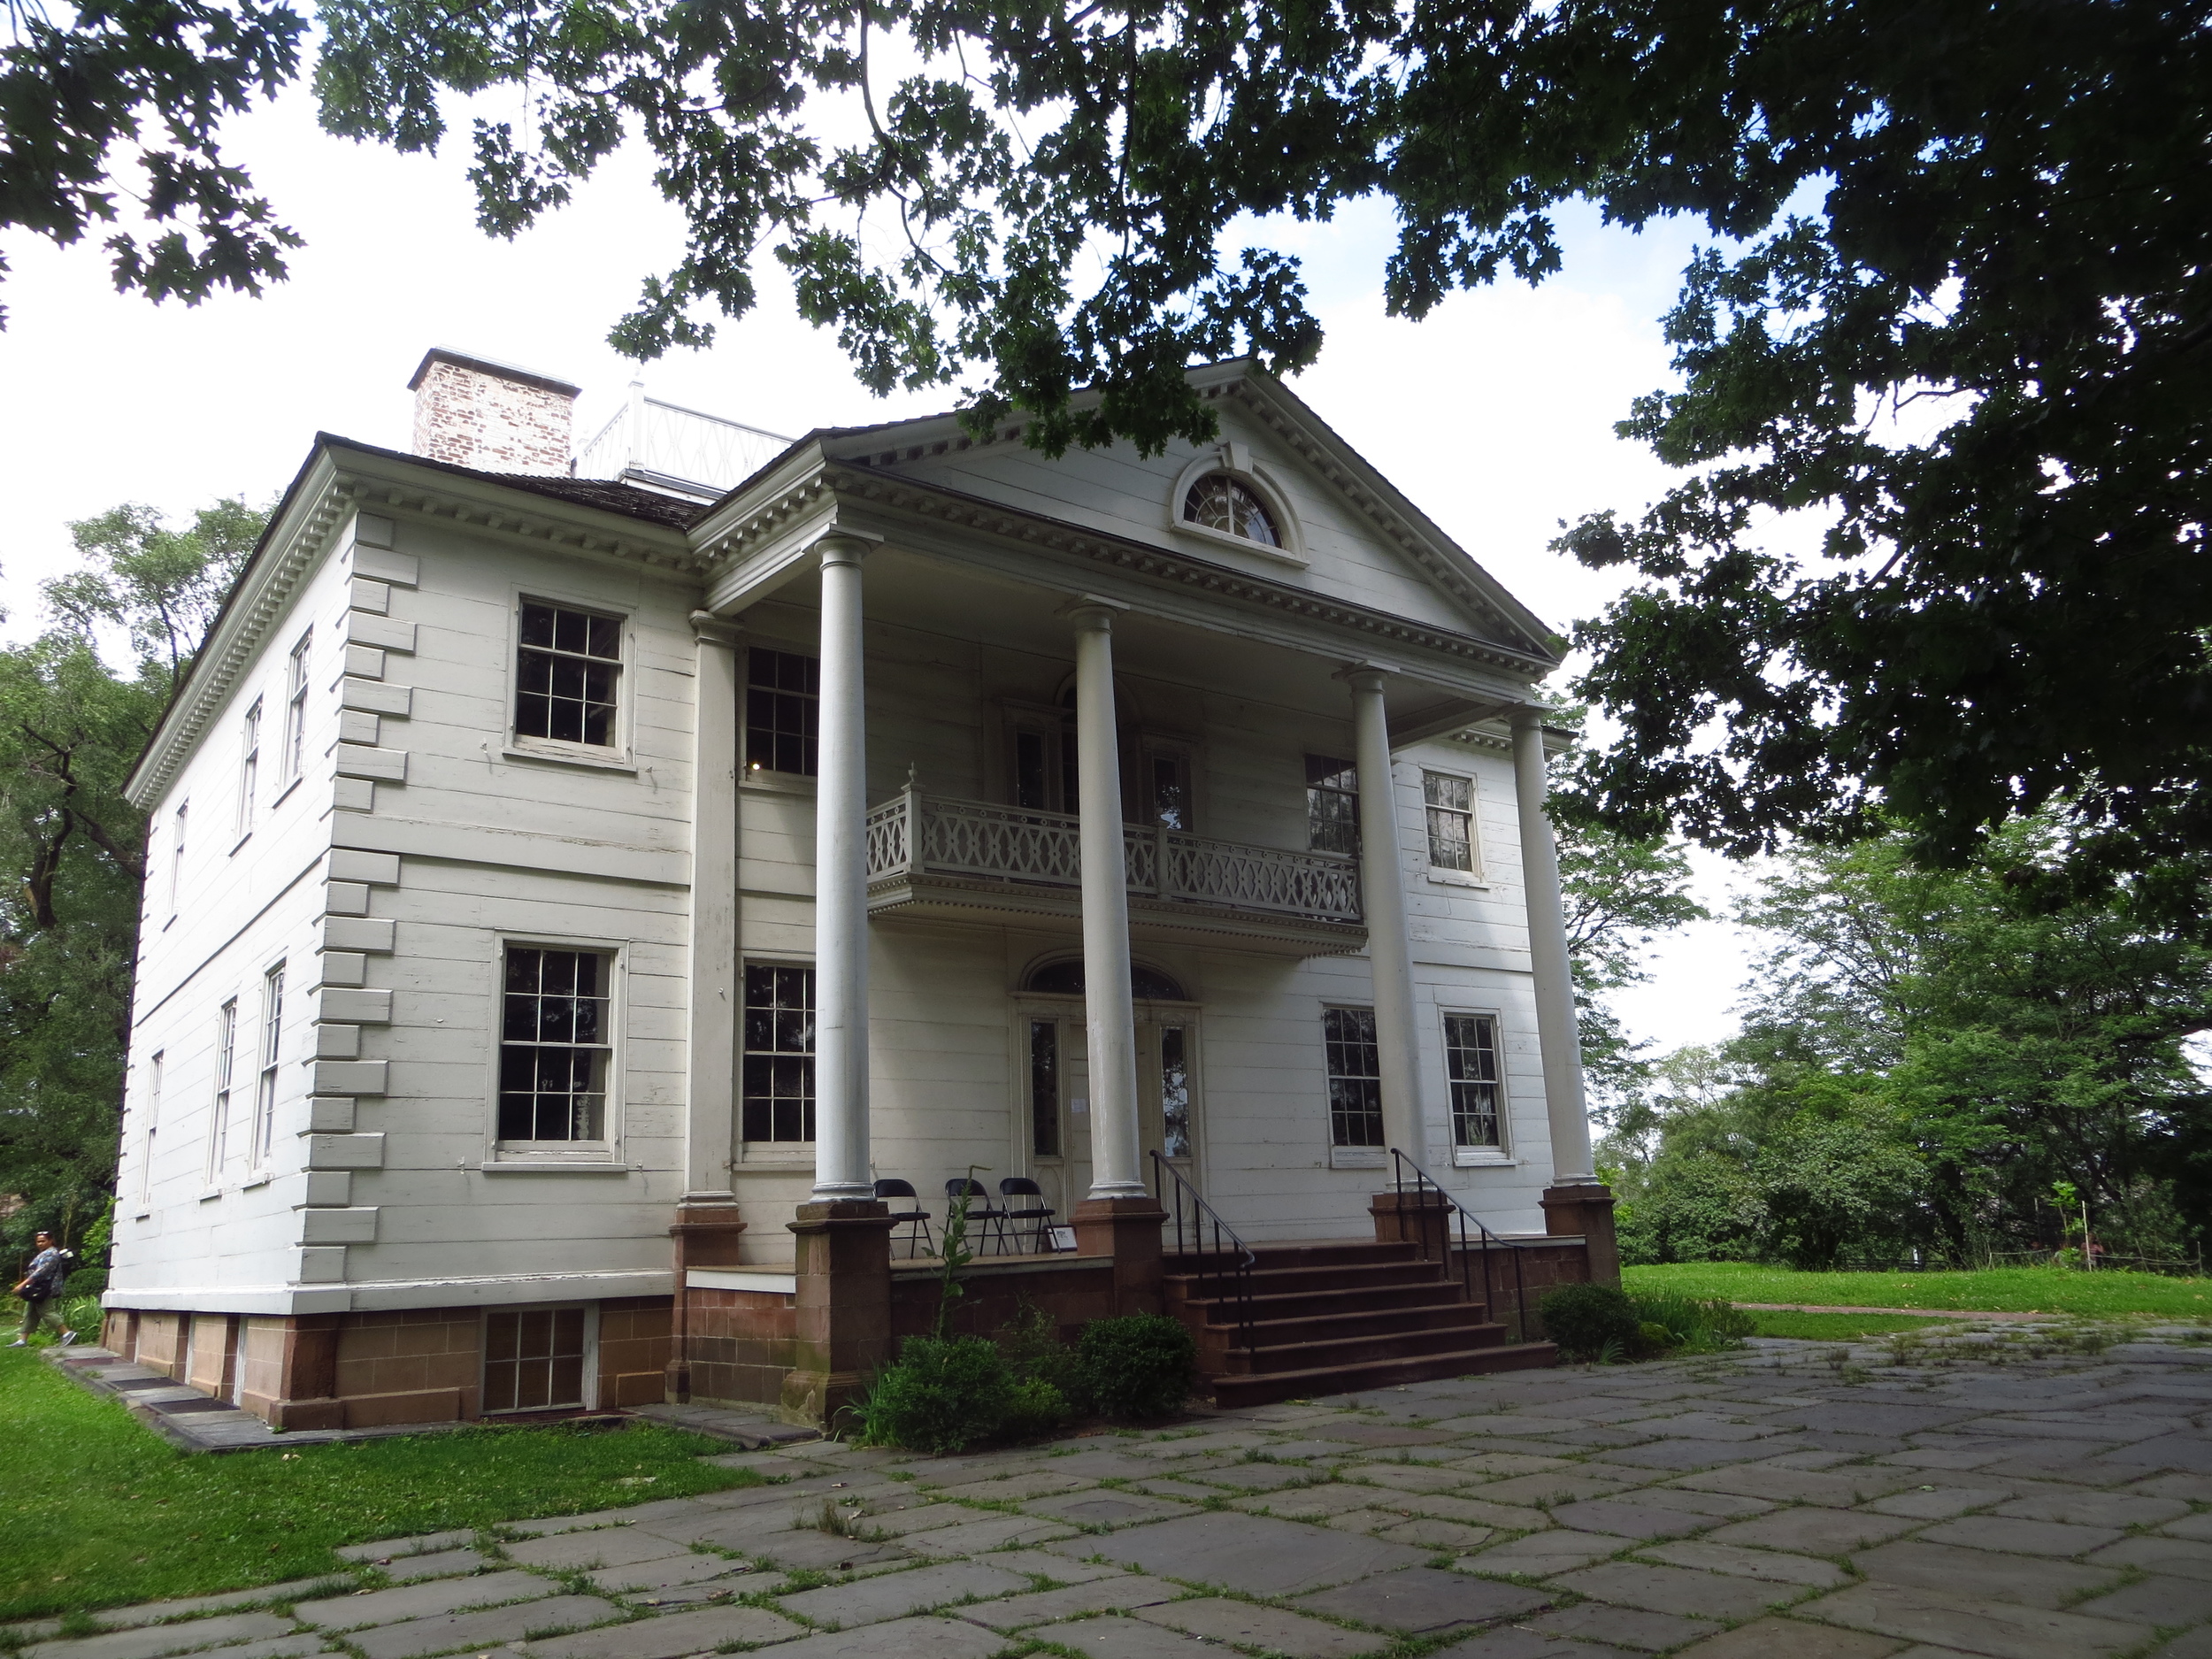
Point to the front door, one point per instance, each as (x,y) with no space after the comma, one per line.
(1058,1096)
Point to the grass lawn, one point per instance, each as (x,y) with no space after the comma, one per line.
(97,1511)
(1999,1290)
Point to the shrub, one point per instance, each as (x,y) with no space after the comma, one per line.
(1583,1319)
(1034,1408)
(942,1395)
(1034,1353)
(1691,1323)
(1142,1365)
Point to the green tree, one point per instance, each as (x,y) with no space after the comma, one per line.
(71,729)
(1620,894)
(1954,309)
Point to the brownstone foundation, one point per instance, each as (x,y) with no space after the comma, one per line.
(1586,1211)
(369,1370)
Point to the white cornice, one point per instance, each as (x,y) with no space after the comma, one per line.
(1166,564)
(338,480)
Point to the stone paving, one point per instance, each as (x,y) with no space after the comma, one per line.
(2009,1497)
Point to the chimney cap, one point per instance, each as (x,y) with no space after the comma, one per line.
(488,365)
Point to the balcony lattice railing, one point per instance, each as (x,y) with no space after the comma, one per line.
(914,834)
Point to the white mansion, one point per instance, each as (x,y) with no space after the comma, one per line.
(543,862)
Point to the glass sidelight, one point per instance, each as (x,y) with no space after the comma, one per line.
(1058,1086)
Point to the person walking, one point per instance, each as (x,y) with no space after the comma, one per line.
(41,1288)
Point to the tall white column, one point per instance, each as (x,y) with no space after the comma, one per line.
(1383,893)
(1116,1158)
(1555,1029)
(840,887)
(715,993)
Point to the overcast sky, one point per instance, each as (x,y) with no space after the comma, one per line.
(1495,414)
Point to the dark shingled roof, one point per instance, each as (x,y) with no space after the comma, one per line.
(609,495)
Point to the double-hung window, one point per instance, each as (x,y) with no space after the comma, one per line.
(1449,800)
(225,1059)
(249,767)
(295,709)
(783,707)
(568,671)
(1471,1063)
(555,1046)
(176,859)
(153,1127)
(777,1071)
(266,1090)
(1354,1063)
(1331,804)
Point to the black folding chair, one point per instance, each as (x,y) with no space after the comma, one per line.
(916,1221)
(1037,1212)
(993,1222)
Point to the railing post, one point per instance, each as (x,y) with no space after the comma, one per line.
(1163,881)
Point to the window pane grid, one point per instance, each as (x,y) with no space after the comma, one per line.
(1044,1088)
(1470,1061)
(783,705)
(1174,1092)
(1355,1077)
(1450,805)
(554,1045)
(1219,502)
(1331,804)
(777,1071)
(566,669)
(533,1359)
(225,1062)
(271,1041)
(295,709)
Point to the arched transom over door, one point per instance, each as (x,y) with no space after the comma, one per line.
(1055,1104)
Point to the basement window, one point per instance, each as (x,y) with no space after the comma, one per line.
(533,1359)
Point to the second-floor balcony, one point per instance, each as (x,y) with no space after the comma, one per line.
(978,861)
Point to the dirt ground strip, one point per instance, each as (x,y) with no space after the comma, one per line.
(2017,1494)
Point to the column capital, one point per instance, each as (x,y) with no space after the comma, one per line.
(1523,716)
(1092,612)
(1365,676)
(715,629)
(839,545)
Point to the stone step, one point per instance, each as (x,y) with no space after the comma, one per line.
(1260,1388)
(1341,1353)
(1328,1276)
(1222,1310)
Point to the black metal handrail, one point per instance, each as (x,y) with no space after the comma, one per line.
(1423,1183)
(1233,1279)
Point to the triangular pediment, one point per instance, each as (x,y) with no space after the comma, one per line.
(1346,532)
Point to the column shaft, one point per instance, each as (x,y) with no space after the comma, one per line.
(715,993)
(1555,1029)
(840,889)
(1108,1011)
(1383,893)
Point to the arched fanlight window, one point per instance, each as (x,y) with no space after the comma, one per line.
(1065,978)
(1220,503)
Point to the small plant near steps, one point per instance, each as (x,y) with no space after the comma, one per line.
(1334,1316)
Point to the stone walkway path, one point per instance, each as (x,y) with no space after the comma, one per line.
(1995,1494)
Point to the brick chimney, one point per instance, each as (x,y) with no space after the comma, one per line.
(491,416)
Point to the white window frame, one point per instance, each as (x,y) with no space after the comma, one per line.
(1348,1158)
(176,857)
(225,1067)
(616,756)
(774,1152)
(1236,459)
(296,707)
(153,1123)
(264,1145)
(767,777)
(1469,1158)
(248,769)
(606,1153)
(1472,876)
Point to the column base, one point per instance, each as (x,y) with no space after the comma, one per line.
(704,1235)
(1412,1218)
(843,1262)
(1586,1207)
(1128,1230)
